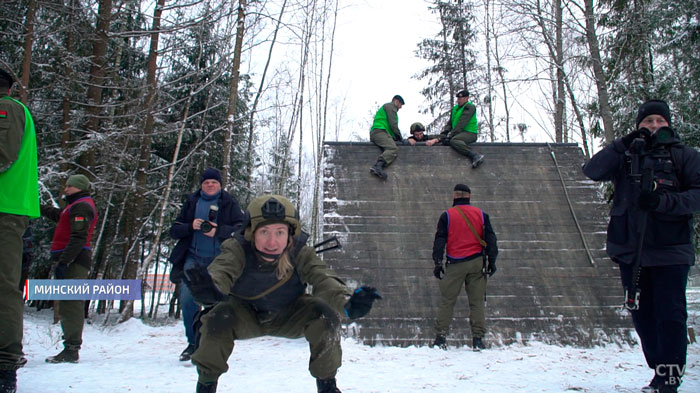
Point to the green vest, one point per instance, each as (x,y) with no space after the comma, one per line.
(20,182)
(471,124)
(381,121)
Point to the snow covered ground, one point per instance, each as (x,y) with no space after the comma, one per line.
(135,357)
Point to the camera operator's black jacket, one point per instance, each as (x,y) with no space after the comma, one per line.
(229,220)
(668,238)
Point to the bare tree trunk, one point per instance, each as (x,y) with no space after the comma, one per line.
(559,95)
(251,122)
(139,199)
(322,129)
(233,93)
(599,73)
(65,106)
(489,81)
(97,73)
(27,60)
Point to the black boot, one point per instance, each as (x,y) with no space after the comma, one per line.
(378,169)
(440,342)
(187,353)
(327,386)
(65,356)
(477,344)
(654,385)
(8,381)
(206,387)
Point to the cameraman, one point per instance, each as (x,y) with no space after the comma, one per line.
(209,216)
(667,246)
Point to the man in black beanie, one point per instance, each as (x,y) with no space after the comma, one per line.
(465,234)
(209,216)
(660,220)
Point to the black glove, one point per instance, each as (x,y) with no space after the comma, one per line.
(361,302)
(398,138)
(176,274)
(438,271)
(491,268)
(446,141)
(60,272)
(649,200)
(201,286)
(627,139)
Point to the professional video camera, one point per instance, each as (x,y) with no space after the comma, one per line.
(207,226)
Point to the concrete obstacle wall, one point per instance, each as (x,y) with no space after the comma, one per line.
(548,287)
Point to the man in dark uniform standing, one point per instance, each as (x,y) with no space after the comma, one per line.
(462,129)
(385,133)
(70,250)
(19,201)
(667,246)
(464,232)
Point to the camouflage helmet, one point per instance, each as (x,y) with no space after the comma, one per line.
(268,209)
(417,127)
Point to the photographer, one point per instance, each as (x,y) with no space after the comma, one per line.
(653,228)
(209,216)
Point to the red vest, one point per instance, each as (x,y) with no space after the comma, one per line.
(461,241)
(61,235)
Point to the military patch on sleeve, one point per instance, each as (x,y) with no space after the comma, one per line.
(79,223)
(3,114)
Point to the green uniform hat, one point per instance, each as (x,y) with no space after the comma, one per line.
(79,181)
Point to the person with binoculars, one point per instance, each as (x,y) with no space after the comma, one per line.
(656,183)
(209,216)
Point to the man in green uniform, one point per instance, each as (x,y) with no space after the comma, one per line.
(462,129)
(70,250)
(385,133)
(465,234)
(256,286)
(19,201)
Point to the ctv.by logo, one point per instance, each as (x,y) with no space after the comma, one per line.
(671,372)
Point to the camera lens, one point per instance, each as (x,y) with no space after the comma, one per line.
(205,227)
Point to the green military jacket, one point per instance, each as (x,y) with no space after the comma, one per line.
(228,266)
(387,119)
(462,119)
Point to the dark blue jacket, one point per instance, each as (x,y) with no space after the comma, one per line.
(668,237)
(229,220)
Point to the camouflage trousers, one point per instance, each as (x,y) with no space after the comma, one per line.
(232,320)
(469,274)
(11,304)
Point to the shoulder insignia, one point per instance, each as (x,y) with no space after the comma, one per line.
(79,219)
(3,114)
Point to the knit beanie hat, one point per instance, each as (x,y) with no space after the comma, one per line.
(210,173)
(79,181)
(654,107)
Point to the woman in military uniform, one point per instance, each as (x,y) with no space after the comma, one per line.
(257,287)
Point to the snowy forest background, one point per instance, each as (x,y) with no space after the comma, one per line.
(142,95)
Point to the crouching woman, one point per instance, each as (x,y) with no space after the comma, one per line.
(257,287)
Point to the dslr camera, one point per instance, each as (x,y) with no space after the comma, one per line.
(207,226)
